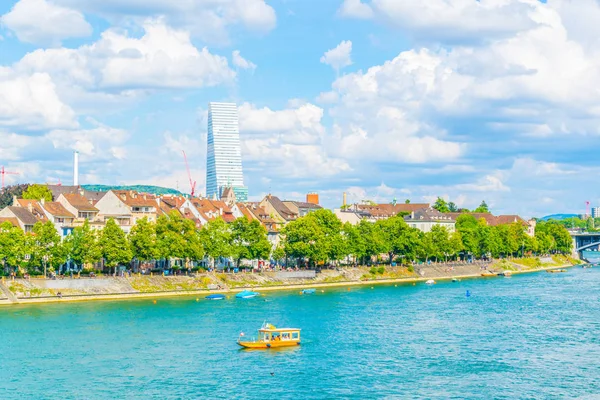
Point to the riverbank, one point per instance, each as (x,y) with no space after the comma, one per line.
(22,291)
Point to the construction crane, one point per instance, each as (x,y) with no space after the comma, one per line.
(192,182)
(4,172)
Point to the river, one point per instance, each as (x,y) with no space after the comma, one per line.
(529,336)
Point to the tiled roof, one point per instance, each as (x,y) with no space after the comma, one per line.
(33,206)
(429,215)
(492,220)
(134,199)
(23,215)
(56,209)
(389,210)
(302,204)
(79,202)
(13,221)
(281,208)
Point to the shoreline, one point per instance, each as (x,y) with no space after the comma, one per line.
(277,288)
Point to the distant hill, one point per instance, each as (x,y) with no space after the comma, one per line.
(558,217)
(138,188)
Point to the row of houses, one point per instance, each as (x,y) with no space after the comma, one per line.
(73,205)
(422,216)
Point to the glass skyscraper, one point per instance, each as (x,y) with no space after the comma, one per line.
(224,153)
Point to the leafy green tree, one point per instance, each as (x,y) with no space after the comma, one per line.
(466,221)
(441,205)
(9,192)
(37,192)
(14,246)
(407,201)
(452,207)
(249,240)
(46,247)
(177,238)
(398,238)
(278,253)
(216,238)
(455,245)
(142,240)
(114,245)
(304,239)
(83,246)
(483,208)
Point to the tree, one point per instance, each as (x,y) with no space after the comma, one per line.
(483,208)
(47,247)
(407,201)
(82,245)
(9,192)
(13,246)
(216,238)
(177,237)
(37,192)
(452,207)
(304,239)
(441,205)
(397,237)
(114,245)
(249,240)
(142,239)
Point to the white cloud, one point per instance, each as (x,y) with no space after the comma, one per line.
(99,143)
(208,20)
(42,22)
(355,9)
(241,62)
(31,102)
(287,143)
(488,183)
(338,57)
(162,58)
(327,97)
(448,20)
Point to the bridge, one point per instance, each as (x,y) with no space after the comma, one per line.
(588,242)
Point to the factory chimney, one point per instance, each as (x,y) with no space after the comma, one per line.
(344,204)
(76,168)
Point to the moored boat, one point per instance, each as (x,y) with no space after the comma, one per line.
(246,294)
(270,337)
(430,282)
(554,271)
(215,297)
(309,291)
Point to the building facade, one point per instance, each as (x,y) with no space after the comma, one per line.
(224,153)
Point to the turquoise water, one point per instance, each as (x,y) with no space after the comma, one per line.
(532,336)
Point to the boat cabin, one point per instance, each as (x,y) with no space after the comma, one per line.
(279,335)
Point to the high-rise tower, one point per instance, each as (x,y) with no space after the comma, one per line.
(224,154)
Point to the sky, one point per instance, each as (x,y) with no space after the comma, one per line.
(495,100)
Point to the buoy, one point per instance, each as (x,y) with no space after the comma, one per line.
(300,292)
(154,301)
(468,294)
(413,284)
(322,291)
(348,289)
(197,299)
(371,287)
(395,285)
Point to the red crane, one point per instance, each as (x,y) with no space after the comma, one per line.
(192,182)
(4,172)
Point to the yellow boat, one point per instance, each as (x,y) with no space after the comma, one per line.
(271,337)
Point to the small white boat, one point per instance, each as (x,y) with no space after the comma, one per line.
(246,294)
(430,282)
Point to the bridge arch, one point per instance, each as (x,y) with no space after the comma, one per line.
(587,246)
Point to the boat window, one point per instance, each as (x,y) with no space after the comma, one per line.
(285,336)
(266,337)
(276,336)
(294,335)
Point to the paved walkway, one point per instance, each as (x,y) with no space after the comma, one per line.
(8,293)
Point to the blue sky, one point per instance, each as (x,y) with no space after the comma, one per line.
(492,100)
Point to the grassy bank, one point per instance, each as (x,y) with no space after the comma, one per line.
(139,287)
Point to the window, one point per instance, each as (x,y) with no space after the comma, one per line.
(60,220)
(294,335)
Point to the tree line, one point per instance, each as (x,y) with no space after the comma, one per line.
(172,237)
(321,237)
(317,238)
